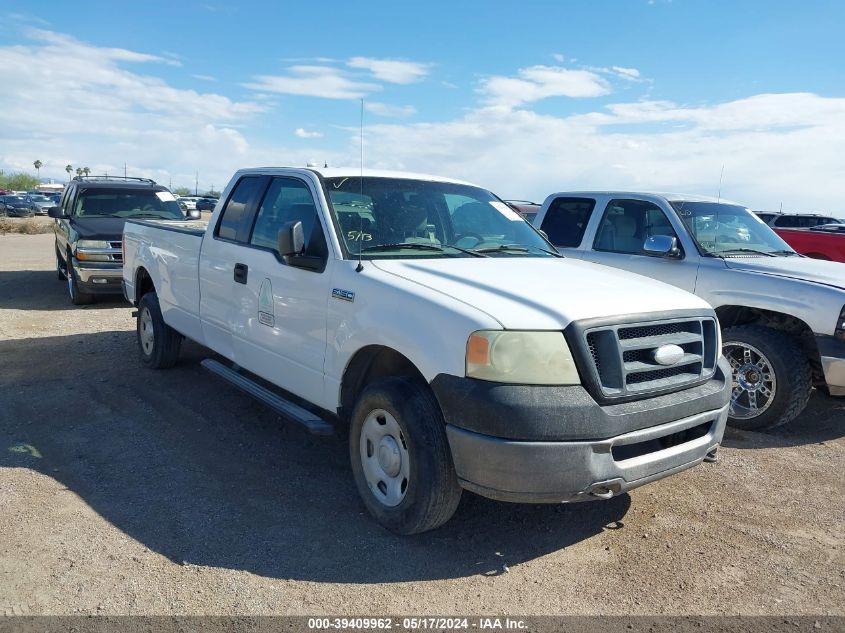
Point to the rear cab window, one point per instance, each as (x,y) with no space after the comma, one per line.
(566,220)
(234,218)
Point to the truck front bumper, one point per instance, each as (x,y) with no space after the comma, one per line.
(581,450)
(832,353)
(99,278)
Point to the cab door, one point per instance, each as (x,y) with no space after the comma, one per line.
(622,230)
(219,275)
(280,326)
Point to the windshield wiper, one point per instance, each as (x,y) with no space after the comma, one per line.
(515,247)
(409,245)
(502,247)
(746,250)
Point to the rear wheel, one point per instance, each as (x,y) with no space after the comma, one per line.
(158,343)
(400,457)
(77,296)
(770,374)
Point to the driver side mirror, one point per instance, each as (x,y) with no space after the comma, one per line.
(54,212)
(662,246)
(291,239)
(194,214)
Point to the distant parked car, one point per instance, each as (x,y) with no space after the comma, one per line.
(16,207)
(525,208)
(190,202)
(206,204)
(42,203)
(796,220)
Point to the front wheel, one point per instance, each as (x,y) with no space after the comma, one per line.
(400,457)
(77,296)
(158,342)
(771,378)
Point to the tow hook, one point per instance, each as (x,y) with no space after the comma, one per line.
(601,493)
(711,457)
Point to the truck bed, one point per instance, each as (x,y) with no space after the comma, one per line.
(172,264)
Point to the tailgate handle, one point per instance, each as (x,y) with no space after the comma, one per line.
(241,271)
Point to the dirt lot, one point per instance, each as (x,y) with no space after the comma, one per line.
(127,491)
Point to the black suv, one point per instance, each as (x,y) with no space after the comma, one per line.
(795,220)
(89,229)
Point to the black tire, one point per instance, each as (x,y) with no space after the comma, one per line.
(162,349)
(77,296)
(432,492)
(60,271)
(789,365)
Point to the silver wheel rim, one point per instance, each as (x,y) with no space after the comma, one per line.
(754,383)
(146,332)
(385,458)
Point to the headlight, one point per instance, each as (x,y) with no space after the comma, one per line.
(527,358)
(89,251)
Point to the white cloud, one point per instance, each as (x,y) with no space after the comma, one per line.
(391,70)
(540,82)
(313,81)
(301,132)
(387,110)
(74,102)
(775,148)
(204,77)
(626,73)
(558,58)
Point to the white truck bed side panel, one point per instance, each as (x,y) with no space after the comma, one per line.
(171,259)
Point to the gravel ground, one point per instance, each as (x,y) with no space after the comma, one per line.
(128,491)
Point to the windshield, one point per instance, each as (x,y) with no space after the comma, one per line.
(39,198)
(126,203)
(392,218)
(727,229)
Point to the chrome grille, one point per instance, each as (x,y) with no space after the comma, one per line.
(623,356)
(118,247)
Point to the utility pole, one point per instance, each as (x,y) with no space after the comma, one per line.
(197,184)
(124,170)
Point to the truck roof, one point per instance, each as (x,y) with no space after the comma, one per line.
(355,172)
(672,197)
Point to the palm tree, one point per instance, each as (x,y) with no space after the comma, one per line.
(68,169)
(38,165)
(79,171)
(86,170)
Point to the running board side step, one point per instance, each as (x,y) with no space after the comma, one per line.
(287,409)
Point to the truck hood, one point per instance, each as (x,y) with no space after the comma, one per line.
(539,293)
(800,268)
(99,228)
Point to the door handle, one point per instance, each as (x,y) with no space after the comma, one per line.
(241,271)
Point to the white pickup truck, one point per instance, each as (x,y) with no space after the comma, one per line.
(458,348)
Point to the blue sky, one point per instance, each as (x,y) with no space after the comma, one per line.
(525,98)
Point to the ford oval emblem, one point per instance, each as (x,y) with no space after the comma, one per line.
(668,354)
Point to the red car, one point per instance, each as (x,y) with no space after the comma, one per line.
(826,241)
